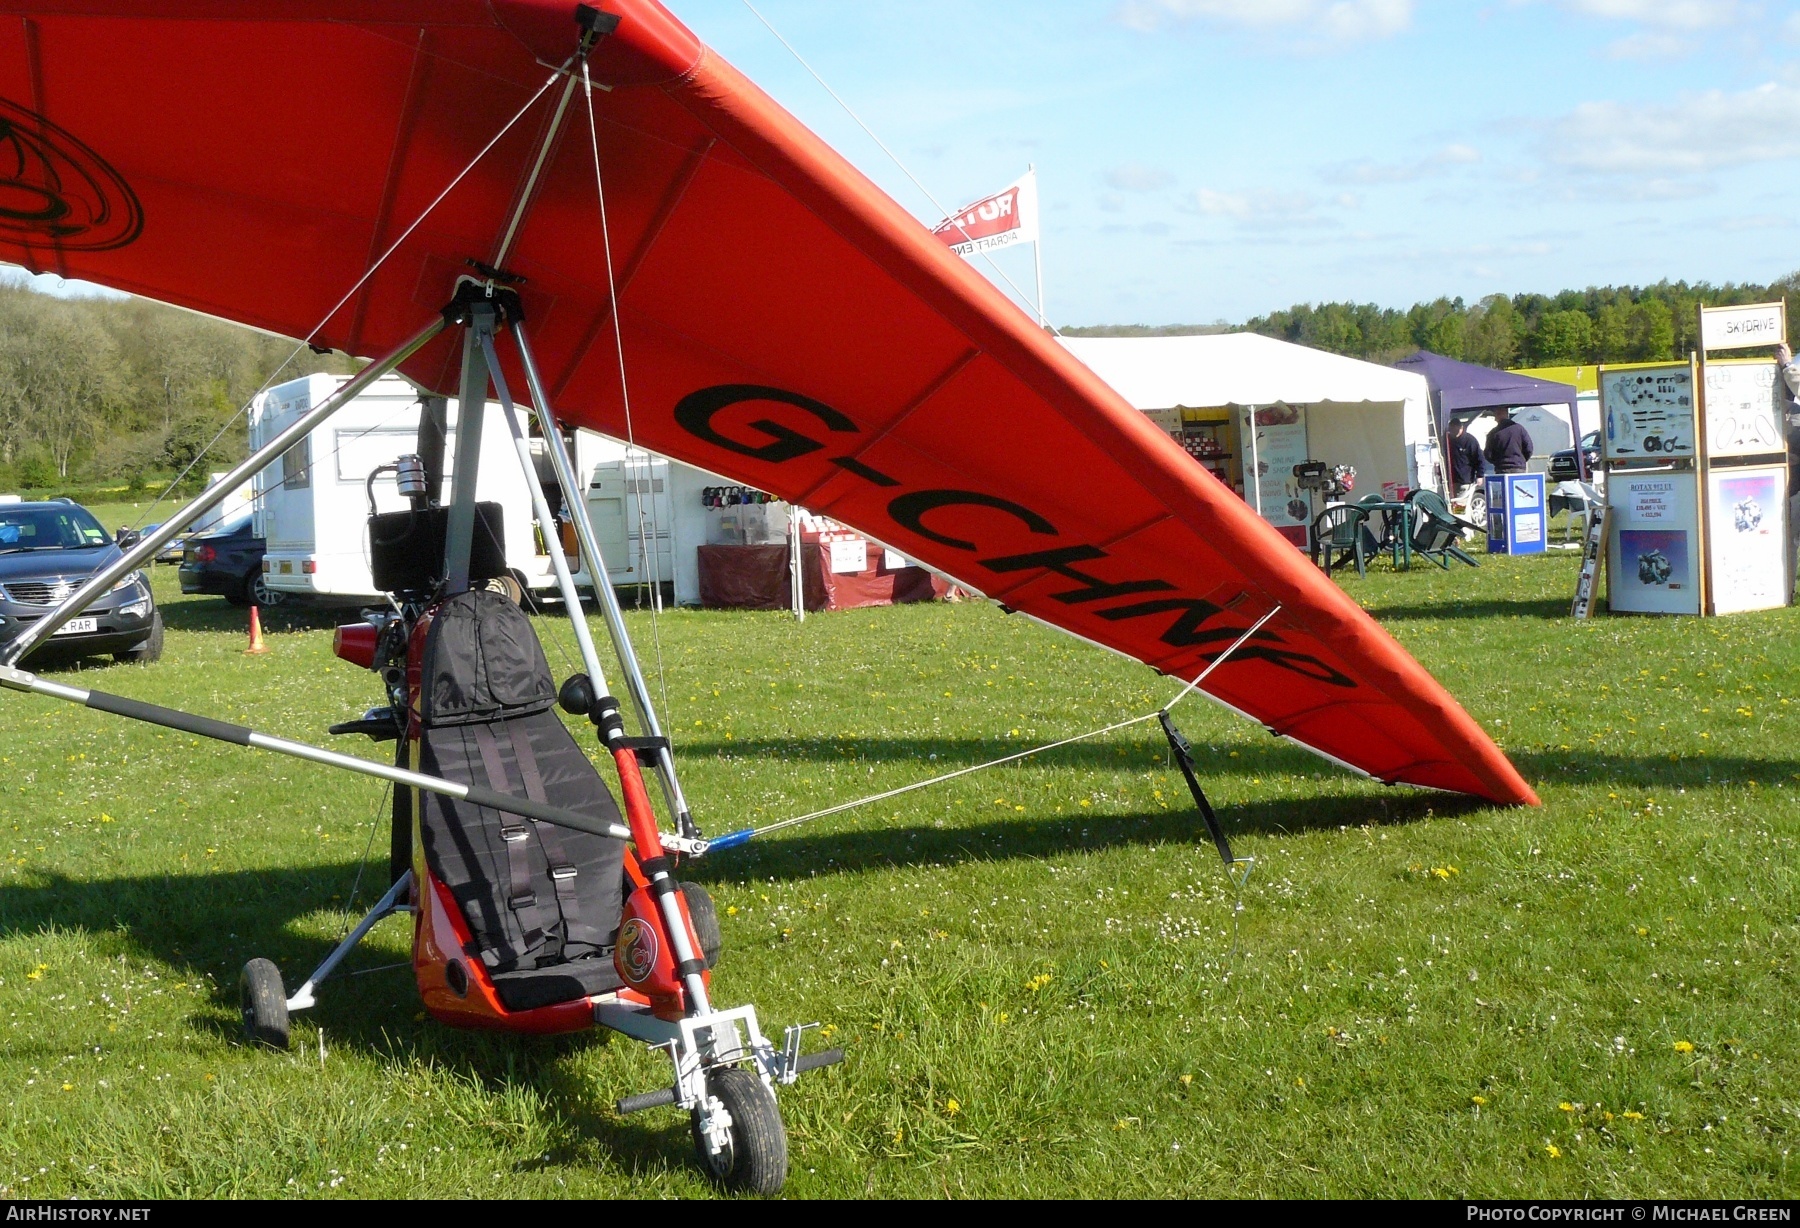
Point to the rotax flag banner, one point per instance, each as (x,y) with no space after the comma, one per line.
(1008,216)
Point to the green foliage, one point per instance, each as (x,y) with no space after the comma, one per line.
(1040,973)
(99,389)
(1599,324)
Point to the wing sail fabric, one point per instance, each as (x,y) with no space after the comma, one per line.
(784,322)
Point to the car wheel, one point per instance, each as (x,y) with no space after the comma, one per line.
(148,651)
(261,594)
(244,593)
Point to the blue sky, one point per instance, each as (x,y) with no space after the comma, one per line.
(1215,159)
(1205,160)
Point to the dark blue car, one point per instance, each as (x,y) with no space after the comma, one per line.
(228,563)
(47,551)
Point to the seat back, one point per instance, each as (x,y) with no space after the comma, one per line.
(1338,525)
(533,895)
(1434,526)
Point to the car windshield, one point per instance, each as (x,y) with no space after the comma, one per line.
(49,528)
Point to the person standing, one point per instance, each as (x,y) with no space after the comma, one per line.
(1466,464)
(1508,444)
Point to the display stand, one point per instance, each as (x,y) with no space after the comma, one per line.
(1515,517)
(1696,464)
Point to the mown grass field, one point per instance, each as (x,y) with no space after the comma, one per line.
(1033,969)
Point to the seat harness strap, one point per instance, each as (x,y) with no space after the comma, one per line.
(521,897)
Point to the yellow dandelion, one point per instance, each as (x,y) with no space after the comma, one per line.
(69,1087)
(1684,1046)
(1477,1101)
(1554,1151)
(731,910)
(1632,1115)
(952,1108)
(1187,1080)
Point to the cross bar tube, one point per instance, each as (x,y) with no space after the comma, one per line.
(575,499)
(153,542)
(240,735)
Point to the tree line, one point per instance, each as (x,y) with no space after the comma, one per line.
(103,390)
(97,391)
(1598,324)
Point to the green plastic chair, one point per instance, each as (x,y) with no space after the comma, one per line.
(1437,532)
(1341,533)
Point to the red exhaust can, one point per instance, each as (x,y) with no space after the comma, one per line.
(355,643)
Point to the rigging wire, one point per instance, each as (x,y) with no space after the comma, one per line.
(351,293)
(894,157)
(646,542)
(1023,754)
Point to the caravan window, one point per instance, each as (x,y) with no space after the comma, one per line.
(361,452)
(296,465)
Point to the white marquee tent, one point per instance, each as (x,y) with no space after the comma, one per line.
(1374,418)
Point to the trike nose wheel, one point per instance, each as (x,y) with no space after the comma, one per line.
(754,1157)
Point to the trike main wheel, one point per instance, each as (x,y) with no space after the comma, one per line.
(754,1158)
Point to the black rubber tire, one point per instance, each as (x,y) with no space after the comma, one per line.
(263,1001)
(755,1159)
(705,916)
(510,587)
(148,651)
(244,594)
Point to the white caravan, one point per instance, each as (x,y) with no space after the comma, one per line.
(312,508)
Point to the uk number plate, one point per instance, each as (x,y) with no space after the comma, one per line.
(78,626)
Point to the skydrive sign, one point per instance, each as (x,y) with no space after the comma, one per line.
(1742,328)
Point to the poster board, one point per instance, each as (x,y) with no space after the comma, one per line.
(1280,445)
(1647,413)
(1747,542)
(1743,409)
(848,555)
(1653,560)
(1743,327)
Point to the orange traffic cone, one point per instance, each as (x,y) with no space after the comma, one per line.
(256,635)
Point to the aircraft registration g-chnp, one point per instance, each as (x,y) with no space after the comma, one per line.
(417,180)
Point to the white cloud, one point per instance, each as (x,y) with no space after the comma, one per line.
(1335,20)
(1649,45)
(1667,14)
(1698,133)
(1264,209)
(1136,177)
(1759,221)
(1437,162)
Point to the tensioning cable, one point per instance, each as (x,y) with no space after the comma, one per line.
(646,543)
(351,293)
(736,838)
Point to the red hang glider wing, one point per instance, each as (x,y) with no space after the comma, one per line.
(783,321)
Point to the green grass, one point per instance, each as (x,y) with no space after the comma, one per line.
(1033,969)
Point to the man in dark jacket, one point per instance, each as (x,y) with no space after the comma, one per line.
(1508,445)
(1466,465)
